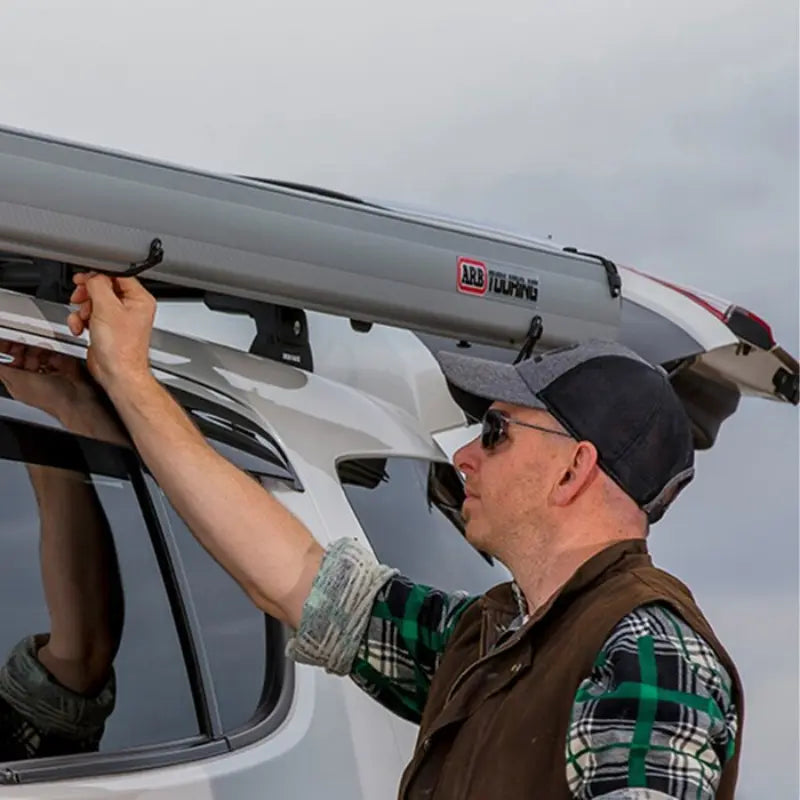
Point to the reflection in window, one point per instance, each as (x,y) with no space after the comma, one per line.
(89,653)
(233,628)
(410,511)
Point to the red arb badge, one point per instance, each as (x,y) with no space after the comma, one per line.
(473,277)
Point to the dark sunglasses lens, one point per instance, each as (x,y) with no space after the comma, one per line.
(486,434)
(493,430)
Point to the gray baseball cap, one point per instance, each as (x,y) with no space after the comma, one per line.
(601,392)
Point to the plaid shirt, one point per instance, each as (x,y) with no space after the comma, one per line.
(654,719)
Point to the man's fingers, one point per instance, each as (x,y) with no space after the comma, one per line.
(64,365)
(122,288)
(85,311)
(79,295)
(131,288)
(80,278)
(32,361)
(7,377)
(101,292)
(18,351)
(75,324)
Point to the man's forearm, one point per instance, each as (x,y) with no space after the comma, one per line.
(267,550)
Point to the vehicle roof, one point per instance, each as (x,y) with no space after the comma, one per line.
(315,419)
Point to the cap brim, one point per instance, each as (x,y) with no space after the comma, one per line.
(476,383)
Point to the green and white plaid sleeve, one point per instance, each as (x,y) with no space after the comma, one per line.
(655,719)
(387,632)
(404,643)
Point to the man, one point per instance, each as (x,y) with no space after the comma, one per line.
(592,675)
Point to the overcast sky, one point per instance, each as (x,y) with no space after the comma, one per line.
(663,135)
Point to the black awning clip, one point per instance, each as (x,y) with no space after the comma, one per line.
(154,257)
(535,332)
(614,280)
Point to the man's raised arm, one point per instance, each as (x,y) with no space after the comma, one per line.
(271,554)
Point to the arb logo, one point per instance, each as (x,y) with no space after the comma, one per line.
(473,276)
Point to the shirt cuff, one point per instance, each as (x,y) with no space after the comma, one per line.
(27,686)
(338,609)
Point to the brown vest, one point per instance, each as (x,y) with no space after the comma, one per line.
(495,724)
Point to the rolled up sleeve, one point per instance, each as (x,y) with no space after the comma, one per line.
(338,609)
(387,632)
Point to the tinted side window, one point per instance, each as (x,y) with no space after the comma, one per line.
(410,511)
(233,628)
(81,591)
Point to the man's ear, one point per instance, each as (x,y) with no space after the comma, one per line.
(579,473)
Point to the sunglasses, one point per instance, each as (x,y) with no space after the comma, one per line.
(494,428)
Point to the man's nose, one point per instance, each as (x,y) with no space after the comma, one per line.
(467,458)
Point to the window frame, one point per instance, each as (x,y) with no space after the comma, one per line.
(212,739)
(278,682)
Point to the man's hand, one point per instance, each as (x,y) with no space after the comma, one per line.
(119,312)
(46,379)
(56,384)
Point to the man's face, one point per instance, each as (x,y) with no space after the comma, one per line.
(507,488)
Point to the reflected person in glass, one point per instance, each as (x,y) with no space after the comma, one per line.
(57,688)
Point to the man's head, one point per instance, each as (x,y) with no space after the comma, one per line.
(576,434)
